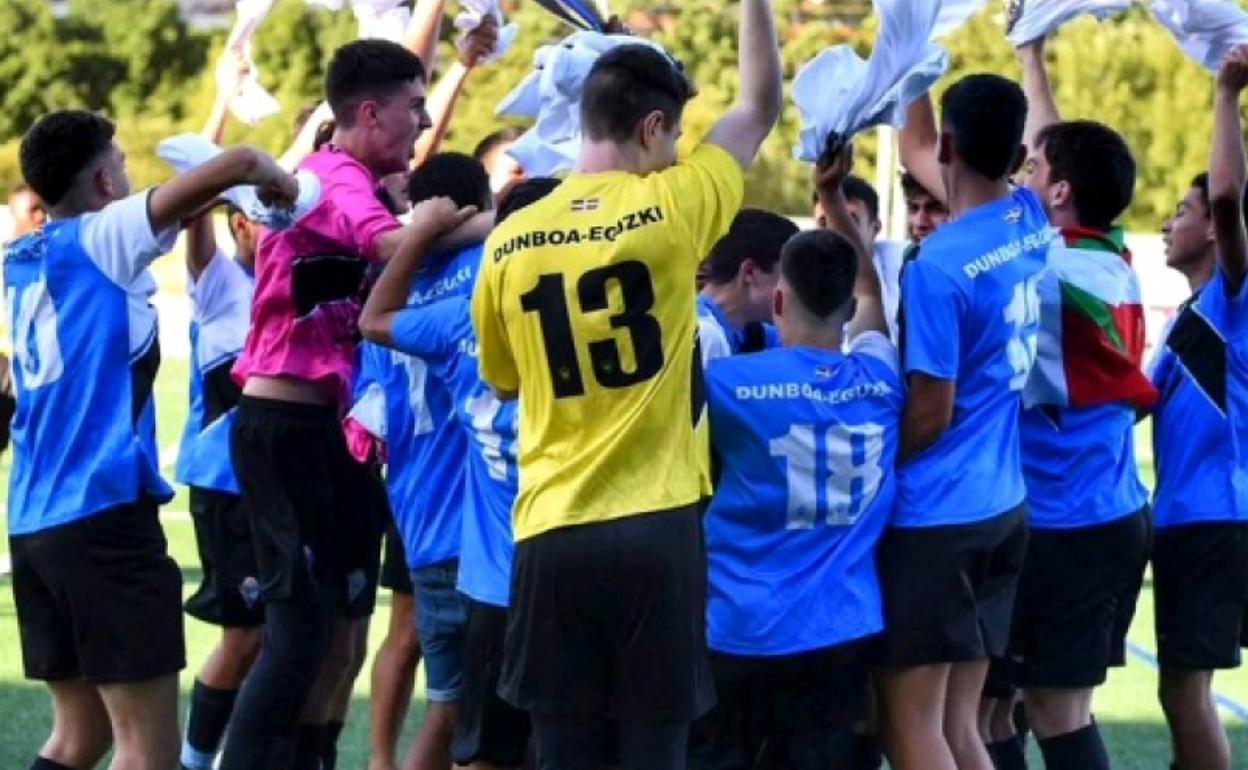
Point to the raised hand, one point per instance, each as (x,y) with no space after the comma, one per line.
(439,215)
(478,44)
(1234,73)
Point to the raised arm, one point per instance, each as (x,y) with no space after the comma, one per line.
(830,173)
(422,33)
(917,147)
(473,47)
(1041,107)
(389,296)
(303,142)
(201,244)
(1227,170)
(231,69)
(188,194)
(742,130)
(474,230)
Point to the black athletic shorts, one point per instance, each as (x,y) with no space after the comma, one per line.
(229,589)
(489,729)
(394,572)
(301,487)
(608,620)
(793,711)
(1076,599)
(100,599)
(366,522)
(949,591)
(1200,586)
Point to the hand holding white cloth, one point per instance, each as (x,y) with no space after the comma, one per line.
(1041,18)
(552,95)
(475,12)
(251,103)
(1206,30)
(838,94)
(187,151)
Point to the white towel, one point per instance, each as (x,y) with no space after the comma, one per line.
(1041,18)
(839,93)
(187,151)
(1206,30)
(251,103)
(474,12)
(381,19)
(552,95)
(953,14)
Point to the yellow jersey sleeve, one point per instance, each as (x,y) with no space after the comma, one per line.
(496,363)
(706,190)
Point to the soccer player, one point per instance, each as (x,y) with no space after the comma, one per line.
(585,310)
(734,305)
(27,210)
(1200,429)
(1087,506)
(288,446)
(807,438)
(98,598)
(489,732)
(970,315)
(925,211)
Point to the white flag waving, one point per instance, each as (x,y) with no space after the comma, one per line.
(1041,18)
(251,103)
(838,94)
(1206,30)
(552,94)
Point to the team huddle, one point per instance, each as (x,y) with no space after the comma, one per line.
(656,481)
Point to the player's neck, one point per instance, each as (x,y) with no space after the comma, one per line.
(968,190)
(604,157)
(729,303)
(827,337)
(1199,272)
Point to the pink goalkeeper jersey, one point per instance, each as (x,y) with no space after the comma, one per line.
(309,278)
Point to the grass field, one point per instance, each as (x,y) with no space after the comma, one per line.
(1126,707)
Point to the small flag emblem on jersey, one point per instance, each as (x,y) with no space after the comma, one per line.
(1014,216)
(585,204)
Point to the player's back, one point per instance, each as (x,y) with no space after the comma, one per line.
(586,307)
(971,315)
(806,440)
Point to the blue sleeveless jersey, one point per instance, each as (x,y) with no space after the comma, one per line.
(970,316)
(1200,425)
(806,440)
(84,435)
(442,335)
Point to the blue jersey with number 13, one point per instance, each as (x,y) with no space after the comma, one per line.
(807,440)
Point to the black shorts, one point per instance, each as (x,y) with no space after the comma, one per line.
(949,591)
(489,729)
(302,488)
(1200,585)
(229,589)
(794,711)
(394,572)
(366,522)
(608,620)
(1076,599)
(100,599)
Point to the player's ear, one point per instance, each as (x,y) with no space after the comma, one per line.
(777,303)
(1062,195)
(650,128)
(876,227)
(745,273)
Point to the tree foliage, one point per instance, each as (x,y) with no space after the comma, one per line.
(137,61)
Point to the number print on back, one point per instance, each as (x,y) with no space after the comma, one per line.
(847,461)
(36,346)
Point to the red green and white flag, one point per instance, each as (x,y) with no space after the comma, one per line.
(1091,341)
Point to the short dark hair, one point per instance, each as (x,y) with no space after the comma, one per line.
(912,188)
(524,194)
(499,138)
(626,84)
(1201,183)
(855,188)
(754,234)
(1097,164)
(985,115)
(58,147)
(452,175)
(820,267)
(368,69)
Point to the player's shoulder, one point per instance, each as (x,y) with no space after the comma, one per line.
(516,232)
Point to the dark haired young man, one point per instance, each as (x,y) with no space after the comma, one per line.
(585,308)
(925,211)
(1200,431)
(98,599)
(296,368)
(806,435)
(970,320)
(734,305)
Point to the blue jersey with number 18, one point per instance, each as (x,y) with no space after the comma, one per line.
(806,441)
(970,316)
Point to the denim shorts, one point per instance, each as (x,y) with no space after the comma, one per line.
(441,622)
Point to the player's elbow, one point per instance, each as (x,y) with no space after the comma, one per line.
(374,326)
